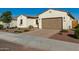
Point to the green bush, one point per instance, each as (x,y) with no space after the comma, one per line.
(1,26)
(76,34)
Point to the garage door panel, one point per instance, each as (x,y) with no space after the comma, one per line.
(52,23)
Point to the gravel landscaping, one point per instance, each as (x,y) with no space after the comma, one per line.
(65,37)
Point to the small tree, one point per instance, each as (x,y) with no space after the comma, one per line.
(77,26)
(76,33)
(6,17)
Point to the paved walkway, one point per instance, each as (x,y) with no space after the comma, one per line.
(39,43)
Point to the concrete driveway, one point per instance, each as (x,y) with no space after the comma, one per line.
(39,42)
(42,32)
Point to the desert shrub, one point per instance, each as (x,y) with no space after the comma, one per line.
(64,31)
(1,26)
(26,30)
(31,27)
(76,33)
(18,28)
(6,30)
(13,27)
(23,29)
(18,31)
(60,33)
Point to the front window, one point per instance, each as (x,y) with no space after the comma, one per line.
(21,22)
(37,22)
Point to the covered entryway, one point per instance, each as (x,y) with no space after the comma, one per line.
(52,23)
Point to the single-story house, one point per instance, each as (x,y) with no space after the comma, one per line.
(50,19)
(24,21)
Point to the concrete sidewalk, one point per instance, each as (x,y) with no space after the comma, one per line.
(39,43)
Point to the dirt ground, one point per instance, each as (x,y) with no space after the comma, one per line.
(8,46)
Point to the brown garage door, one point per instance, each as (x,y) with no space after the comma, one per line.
(52,23)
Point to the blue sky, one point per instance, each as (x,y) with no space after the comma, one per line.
(36,11)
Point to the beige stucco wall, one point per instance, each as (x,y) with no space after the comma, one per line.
(26,22)
(31,22)
(54,13)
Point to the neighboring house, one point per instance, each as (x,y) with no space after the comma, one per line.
(4,24)
(10,25)
(24,21)
(13,23)
(1,23)
(54,19)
